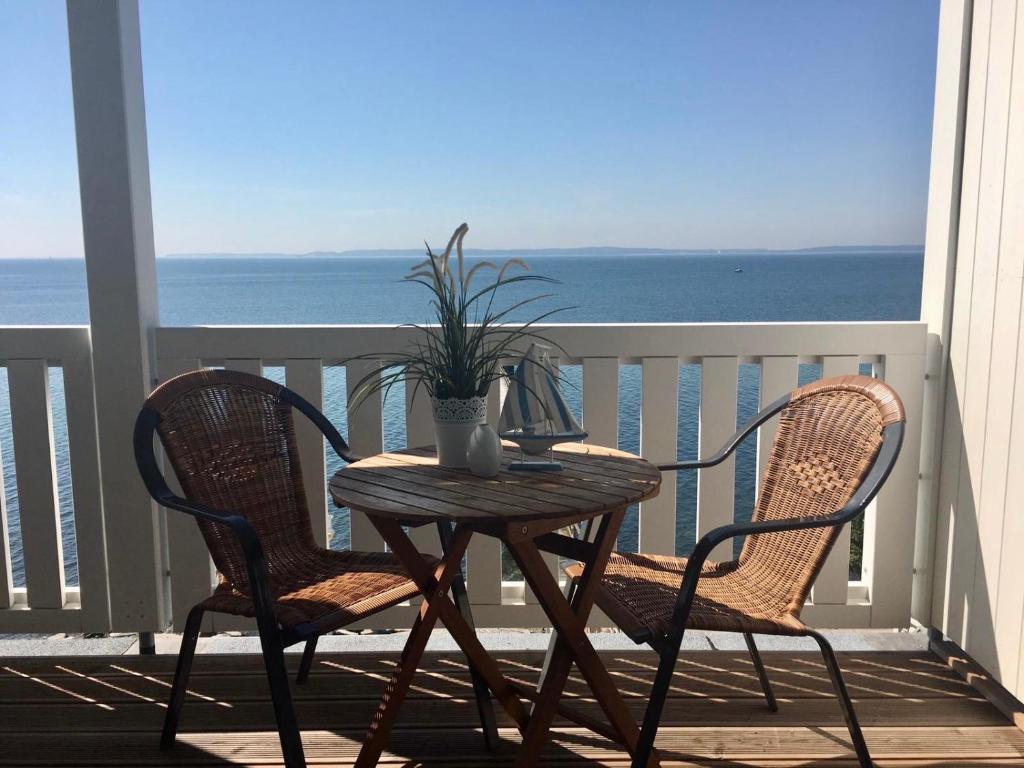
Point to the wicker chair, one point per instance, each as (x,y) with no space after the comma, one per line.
(836,443)
(231,440)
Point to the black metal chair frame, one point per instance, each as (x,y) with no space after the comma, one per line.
(668,647)
(273,639)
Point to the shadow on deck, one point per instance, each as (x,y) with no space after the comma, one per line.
(107,711)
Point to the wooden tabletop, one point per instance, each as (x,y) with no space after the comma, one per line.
(409,485)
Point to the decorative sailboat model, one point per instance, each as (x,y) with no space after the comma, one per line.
(534,415)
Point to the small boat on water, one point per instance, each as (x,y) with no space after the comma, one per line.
(535,415)
(738,269)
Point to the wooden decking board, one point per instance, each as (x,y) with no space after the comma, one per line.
(325,685)
(721,661)
(106,711)
(752,746)
(138,715)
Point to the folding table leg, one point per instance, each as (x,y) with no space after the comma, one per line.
(484,705)
(573,644)
(461,632)
(398,685)
(570,586)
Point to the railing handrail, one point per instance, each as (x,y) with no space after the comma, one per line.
(53,343)
(631,341)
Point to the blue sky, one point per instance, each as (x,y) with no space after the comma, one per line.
(326,126)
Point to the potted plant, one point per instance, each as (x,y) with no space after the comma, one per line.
(457,357)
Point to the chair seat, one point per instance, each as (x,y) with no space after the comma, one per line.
(324,589)
(638,592)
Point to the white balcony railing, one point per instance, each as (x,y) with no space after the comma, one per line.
(298,356)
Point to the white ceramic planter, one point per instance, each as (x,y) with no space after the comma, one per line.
(454,422)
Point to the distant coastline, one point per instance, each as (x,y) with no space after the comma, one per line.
(580,251)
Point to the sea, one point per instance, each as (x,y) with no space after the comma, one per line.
(589,286)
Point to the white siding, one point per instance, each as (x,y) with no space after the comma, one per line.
(977,597)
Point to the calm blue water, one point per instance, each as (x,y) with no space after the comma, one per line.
(596,288)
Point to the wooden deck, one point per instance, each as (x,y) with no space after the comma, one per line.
(106,711)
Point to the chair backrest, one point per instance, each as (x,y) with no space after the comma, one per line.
(828,438)
(230,437)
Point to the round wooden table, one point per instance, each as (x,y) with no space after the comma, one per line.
(528,512)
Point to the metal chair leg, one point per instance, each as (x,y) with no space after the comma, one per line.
(484,704)
(859,745)
(307,660)
(188,650)
(668,655)
(281,695)
(762,674)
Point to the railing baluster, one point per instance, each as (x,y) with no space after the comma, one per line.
(85,483)
(601,400)
(36,473)
(832,587)
(495,399)
(716,489)
(245,365)
(191,568)
(306,378)
(6,572)
(365,437)
(419,420)
(659,431)
(778,376)
(419,431)
(483,559)
(551,560)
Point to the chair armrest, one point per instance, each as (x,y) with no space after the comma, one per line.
(727,450)
(322,423)
(252,548)
(713,538)
(249,540)
(694,464)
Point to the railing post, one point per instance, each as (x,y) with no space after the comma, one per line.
(938,280)
(113,171)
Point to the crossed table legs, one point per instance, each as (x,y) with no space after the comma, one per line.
(567,618)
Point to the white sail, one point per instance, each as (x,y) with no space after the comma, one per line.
(534,405)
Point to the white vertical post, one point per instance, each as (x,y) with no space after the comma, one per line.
(601,400)
(778,377)
(85,482)
(6,574)
(365,437)
(659,430)
(419,420)
(36,473)
(939,276)
(245,365)
(716,489)
(117,223)
(832,587)
(549,558)
(483,559)
(419,431)
(191,569)
(889,540)
(306,378)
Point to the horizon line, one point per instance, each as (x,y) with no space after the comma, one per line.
(582,249)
